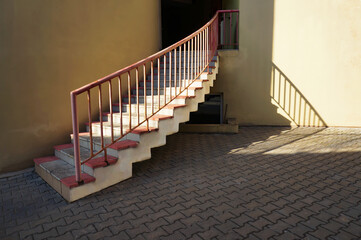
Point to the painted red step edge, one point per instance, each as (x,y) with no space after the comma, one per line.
(124,144)
(41,160)
(63,146)
(141,130)
(100,162)
(70,182)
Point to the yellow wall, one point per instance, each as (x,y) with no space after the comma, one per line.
(47,49)
(313,46)
(244,75)
(318,45)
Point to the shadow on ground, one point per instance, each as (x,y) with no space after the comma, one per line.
(262,183)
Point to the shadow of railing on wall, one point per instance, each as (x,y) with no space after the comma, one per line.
(289,98)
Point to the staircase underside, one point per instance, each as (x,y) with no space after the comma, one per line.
(59,172)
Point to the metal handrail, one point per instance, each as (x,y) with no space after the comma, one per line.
(201,45)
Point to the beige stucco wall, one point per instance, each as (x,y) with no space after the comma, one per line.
(317,47)
(244,75)
(47,49)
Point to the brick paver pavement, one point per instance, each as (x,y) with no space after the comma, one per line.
(263,183)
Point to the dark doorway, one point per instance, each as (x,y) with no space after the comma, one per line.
(180,18)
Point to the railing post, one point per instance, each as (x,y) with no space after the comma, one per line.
(76,137)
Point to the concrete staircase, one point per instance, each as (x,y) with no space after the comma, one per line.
(58,170)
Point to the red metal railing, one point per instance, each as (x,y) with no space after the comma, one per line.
(195,58)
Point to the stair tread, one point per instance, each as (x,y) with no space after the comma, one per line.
(95,162)
(101,162)
(141,130)
(124,144)
(41,160)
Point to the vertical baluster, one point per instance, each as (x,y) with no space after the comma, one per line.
(180,68)
(207,41)
(111,110)
(130,102)
(158,62)
(101,115)
(199,56)
(202,48)
(170,75)
(175,71)
(137,93)
(192,60)
(165,77)
(145,95)
(152,84)
(188,70)
(120,105)
(90,123)
(195,56)
(184,67)
(201,51)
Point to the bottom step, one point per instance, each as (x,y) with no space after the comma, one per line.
(59,174)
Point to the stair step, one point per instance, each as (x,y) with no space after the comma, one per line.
(66,153)
(59,174)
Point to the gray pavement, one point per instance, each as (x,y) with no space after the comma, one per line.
(263,183)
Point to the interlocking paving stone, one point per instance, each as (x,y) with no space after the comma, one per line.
(262,183)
